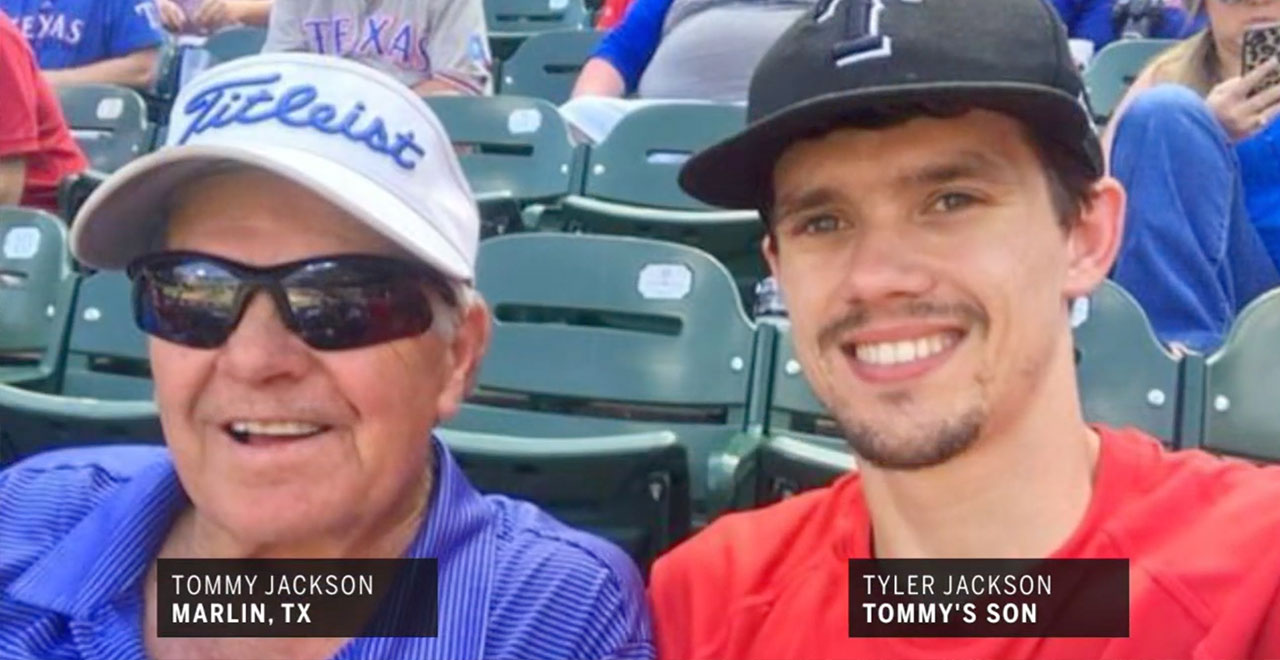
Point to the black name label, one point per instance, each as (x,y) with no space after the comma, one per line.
(988,598)
(297,598)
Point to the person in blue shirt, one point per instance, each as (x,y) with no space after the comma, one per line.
(91,41)
(1094,20)
(686,49)
(1200,157)
(302,253)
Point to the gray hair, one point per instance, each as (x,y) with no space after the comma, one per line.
(448,317)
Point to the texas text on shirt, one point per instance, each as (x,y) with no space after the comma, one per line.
(31,123)
(73,33)
(773,584)
(412,40)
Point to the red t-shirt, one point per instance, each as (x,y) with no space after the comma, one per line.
(31,123)
(1202,535)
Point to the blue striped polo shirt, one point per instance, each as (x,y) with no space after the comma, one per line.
(80,527)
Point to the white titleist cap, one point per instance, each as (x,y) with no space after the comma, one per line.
(355,136)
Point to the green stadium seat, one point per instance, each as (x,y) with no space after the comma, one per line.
(789,466)
(106,353)
(631,489)
(1114,69)
(109,123)
(159,97)
(234,43)
(74,191)
(601,335)
(1126,377)
(1240,412)
(631,187)
(37,290)
(105,394)
(32,422)
(794,410)
(510,22)
(792,444)
(514,151)
(546,65)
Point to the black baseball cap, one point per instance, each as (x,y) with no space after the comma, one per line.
(846,57)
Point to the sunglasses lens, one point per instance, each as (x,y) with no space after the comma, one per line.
(188,302)
(338,305)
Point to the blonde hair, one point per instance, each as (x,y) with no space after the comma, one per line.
(1193,62)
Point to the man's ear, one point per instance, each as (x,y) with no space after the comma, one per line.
(769,248)
(1094,241)
(466,350)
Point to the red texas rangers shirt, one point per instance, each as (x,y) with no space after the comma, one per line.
(1202,535)
(31,122)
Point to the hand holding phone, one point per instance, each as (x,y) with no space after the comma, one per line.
(1261,43)
(1246,103)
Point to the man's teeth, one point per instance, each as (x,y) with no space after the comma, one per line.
(284,429)
(899,352)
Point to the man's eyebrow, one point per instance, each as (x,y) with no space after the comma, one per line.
(967,164)
(806,198)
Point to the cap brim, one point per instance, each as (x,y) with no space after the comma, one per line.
(737,172)
(123,218)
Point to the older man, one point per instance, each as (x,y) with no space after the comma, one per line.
(934,204)
(301,255)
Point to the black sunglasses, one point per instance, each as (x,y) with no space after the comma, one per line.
(332,303)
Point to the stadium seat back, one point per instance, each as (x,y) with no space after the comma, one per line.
(1243,377)
(630,489)
(790,465)
(234,43)
(36,293)
(1114,69)
(32,422)
(509,22)
(109,123)
(1126,377)
(803,447)
(546,65)
(107,353)
(631,187)
(600,335)
(509,144)
(793,407)
(639,161)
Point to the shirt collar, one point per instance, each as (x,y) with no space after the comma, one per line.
(107,554)
(110,549)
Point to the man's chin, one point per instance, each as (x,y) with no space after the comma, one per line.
(916,448)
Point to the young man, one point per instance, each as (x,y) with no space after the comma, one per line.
(433,46)
(91,41)
(935,198)
(36,149)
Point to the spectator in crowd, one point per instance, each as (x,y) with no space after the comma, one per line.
(1198,156)
(298,412)
(679,49)
(665,50)
(934,206)
(36,150)
(433,46)
(1102,21)
(91,41)
(209,16)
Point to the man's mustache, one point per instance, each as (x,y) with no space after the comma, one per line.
(862,314)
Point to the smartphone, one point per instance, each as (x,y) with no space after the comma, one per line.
(1261,43)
